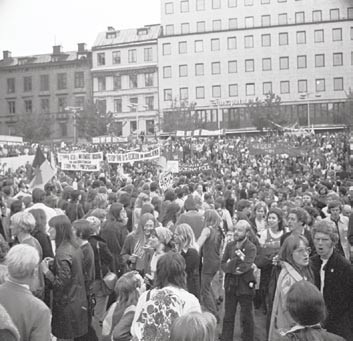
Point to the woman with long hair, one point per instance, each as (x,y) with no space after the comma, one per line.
(210,243)
(171,215)
(66,276)
(294,257)
(258,218)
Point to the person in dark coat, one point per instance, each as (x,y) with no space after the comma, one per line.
(334,277)
(74,209)
(66,276)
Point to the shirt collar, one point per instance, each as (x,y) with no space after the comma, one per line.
(299,327)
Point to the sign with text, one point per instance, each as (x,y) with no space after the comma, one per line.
(134,156)
(80,161)
(275,149)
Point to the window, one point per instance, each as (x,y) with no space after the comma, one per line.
(248,2)
(266,64)
(199,69)
(283,38)
(216,91)
(184,94)
(116,56)
(337,34)
(132,56)
(301,62)
(299,17)
(184,6)
(216,25)
(185,28)
(167,94)
(338,84)
(147,53)
(317,15)
(320,85)
(167,72)
(350,13)
(352,58)
(284,87)
(249,65)
(169,30)
(250,89)
(28,106)
(166,49)
(12,107)
(335,14)
(319,36)
(249,22)
(233,90)
(168,8)
(62,104)
(301,37)
(264,2)
(150,127)
(232,3)
(319,60)
(266,87)
(101,83)
(200,92)
(149,77)
(216,4)
(182,47)
(101,105)
(265,20)
(61,81)
(232,66)
(198,45)
(27,83)
(44,83)
(216,68)
(232,43)
(117,82)
(118,105)
(201,26)
(79,79)
(11,85)
(351,33)
(232,23)
(284,63)
(133,104)
(200,5)
(266,39)
(183,70)
(338,59)
(302,86)
(282,0)
(133,81)
(249,41)
(149,102)
(133,126)
(282,19)
(80,101)
(100,58)
(215,45)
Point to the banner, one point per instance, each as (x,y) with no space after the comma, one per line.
(166,180)
(275,149)
(109,139)
(80,161)
(134,156)
(185,168)
(172,166)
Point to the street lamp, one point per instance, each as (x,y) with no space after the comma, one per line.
(134,106)
(306,96)
(74,111)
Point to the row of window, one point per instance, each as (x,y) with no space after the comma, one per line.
(249,65)
(133,104)
(44,83)
(232,91)
(44,104)
(130,81)
(131,56)
(266,41)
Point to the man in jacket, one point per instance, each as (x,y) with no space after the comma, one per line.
(334,277)
(237,262)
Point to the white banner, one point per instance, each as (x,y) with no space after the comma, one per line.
(81,161)
(134,156)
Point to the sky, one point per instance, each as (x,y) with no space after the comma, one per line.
(29,27)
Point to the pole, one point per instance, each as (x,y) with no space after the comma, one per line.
(308,114)
(75,128)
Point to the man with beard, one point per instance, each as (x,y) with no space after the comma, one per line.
(239,285)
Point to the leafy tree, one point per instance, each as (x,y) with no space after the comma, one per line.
(348,109)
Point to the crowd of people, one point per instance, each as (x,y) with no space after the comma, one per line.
(111,256)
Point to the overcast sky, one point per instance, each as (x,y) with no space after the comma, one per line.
(34,26)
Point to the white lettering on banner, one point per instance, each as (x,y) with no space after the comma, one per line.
(134,156)
(81,161)
(166,180)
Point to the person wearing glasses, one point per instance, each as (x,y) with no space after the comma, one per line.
(294,258)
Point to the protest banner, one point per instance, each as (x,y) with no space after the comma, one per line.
(186,168)
(172,166)
(134,156)
(275,149)
(80,161)
(166,180)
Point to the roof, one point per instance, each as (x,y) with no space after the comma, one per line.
(127,36)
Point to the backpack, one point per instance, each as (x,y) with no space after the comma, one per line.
(161,308)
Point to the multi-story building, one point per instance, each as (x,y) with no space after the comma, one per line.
(219,54)
(44,86)
(125,78)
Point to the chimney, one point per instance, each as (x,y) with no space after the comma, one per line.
(111,28)
(57,49)
(81,48)
(6,55)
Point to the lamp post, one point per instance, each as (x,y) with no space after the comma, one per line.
(134,106)
(216,103)
(306,96)
(74,111)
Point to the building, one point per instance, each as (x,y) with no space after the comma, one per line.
(42,87)
(125,78)
(217,55)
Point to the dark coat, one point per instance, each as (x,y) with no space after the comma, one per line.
(69,311)
(338,293)
(312,333)
(102,257)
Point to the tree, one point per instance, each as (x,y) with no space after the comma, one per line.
(263,113)
(348,109)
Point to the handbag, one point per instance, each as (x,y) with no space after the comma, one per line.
(109,280)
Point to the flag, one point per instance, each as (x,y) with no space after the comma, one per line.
(43,171)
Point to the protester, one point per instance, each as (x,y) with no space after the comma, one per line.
(4,248)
